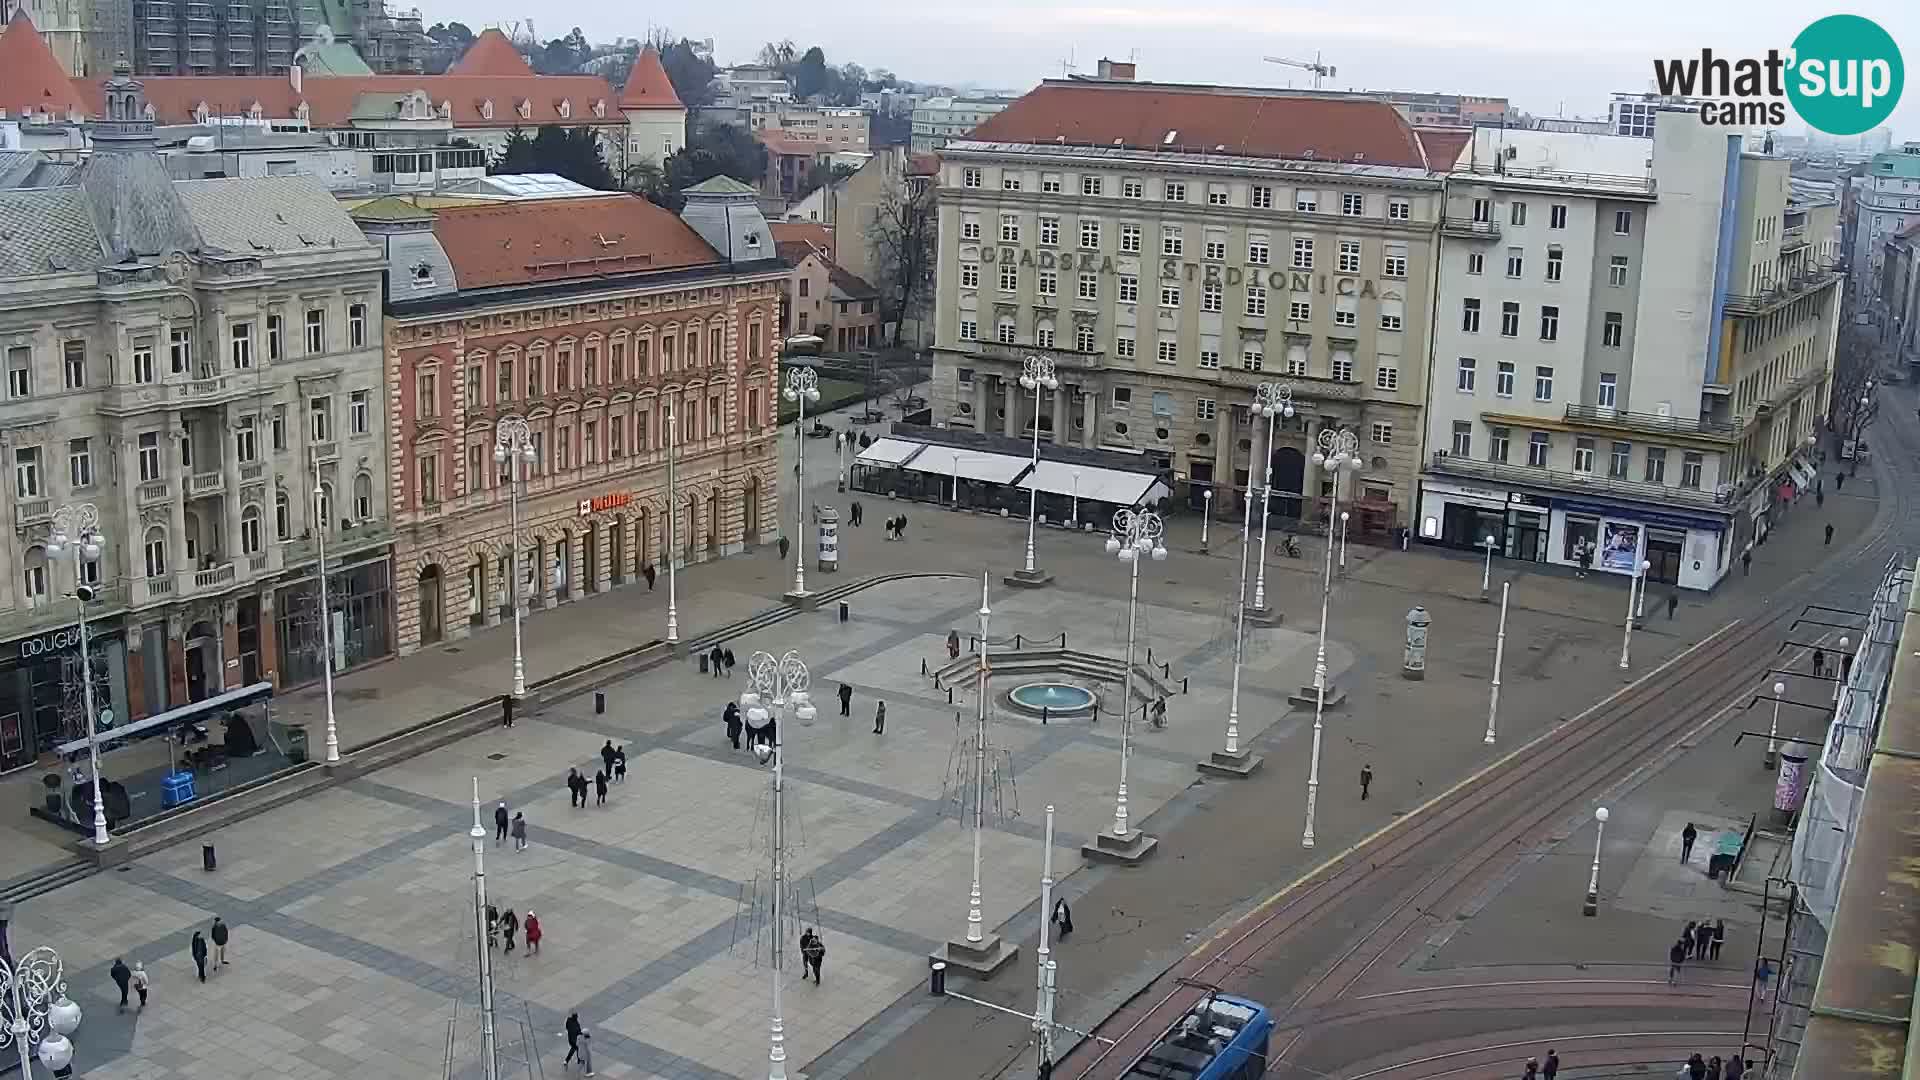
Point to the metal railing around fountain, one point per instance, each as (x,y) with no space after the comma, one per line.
(1020,653)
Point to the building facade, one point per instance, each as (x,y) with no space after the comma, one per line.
(194,373)
(1450,110)
(1629,357)
(1900,296)
(616,332)
(1261,236)
(1886,203)
(940,120)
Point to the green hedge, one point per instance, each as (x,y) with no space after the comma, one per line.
(834,393)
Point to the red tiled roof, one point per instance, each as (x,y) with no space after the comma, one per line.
(330,100)
(923,165)
(777,141)
(852,284)
(30,77)
(491,54)
(1259,123)
(811,233)
(647,84)
(794,252)
(518,243)
(1443,145)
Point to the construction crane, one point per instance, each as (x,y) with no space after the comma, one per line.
(1320,70)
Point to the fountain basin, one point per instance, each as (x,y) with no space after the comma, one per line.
(1052,699)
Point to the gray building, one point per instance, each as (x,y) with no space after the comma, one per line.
(196,365)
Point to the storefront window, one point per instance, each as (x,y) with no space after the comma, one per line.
(1580,530)
(361,623)
(42,692)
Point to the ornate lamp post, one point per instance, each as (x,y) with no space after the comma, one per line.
(1270,399)
(1273,400)
(320,509)
(1338,450)
(489,1033)
(1592,905)
(76,529)
(1486,570)
(33,993)
(1633,587)
(513,447)
(1499,657)
(1772,759)
(782,685)
(803,385)
(673,533)
(1036,374)
(1206,517)
(1135,533)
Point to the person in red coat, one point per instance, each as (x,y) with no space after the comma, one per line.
(532,927)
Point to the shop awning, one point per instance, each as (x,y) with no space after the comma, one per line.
(969,464)
(231,699)
(1095,484)
(889,451)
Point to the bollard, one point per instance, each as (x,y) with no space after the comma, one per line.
(1016,641)
(937,978)
(845,611)
(1166,671)
(1044,712)
(207,861)
(1183,684)
(1149,656)
(599,702)
(949,695)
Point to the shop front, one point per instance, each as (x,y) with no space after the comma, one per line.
(1464,516)
(42,691)
(1683,549)
(359,621)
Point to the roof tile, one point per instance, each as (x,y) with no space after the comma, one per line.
(519,243)
(331,101)
(647,84)
(30,77)
(491,54)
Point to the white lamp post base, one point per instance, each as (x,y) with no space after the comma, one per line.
(804,601)
(1307,696)
(1129,849)
(1035,578)
(1264,616)
(980,959)
(1238,765)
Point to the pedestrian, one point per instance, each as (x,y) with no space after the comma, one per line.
(198,947)
(1763,976)
(619,764)
(1839,481)
(1687,836)
(1819,663)
(1366,780)
(846,700)
(1551,1067)
(732,719)
(493,927)
(1702,940)
(901,529)
(219,935)
(1695,1068)
(586,1053)
(727,655)
(812,952)
(599,789)
(573,1038)
(717,661)
(1686,939)
(533,934)
(1713,1067)
(499,824)
(649,573)
(123,978)
(1829,542)
(509,926)
(953,644)
(783,545)
(1736,1068)
(1673,604)
(1819,499)
(140,981)
(1533,1070)
(1846,667)
(519,831)
(573,787)
(1676,956)
(880,718)
(606,756)
(858,513)
(1746,562)
(1063,917)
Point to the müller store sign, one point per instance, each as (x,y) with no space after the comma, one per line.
(605,502)
(1176,270)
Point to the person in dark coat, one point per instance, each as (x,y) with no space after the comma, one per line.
(493,927)
(1702,940)
(606,756)
(880,718)
(1686,940)
(1719,939)
(1819,663)
(727,655)
(1746,562)
(813,952)
(122,978)
(509,926)
(1062,918)
(846,700)
(783,546)
(1736,1068)
(1550,1068)
(717,662)
(619,764)
(519,831)
(732,719)
(1687,836)
(1532,1071)
(1673,604)
(953,644)
(573,787)
(1676,957)
(1696,1068)
(649,573)
(573,1038)
(857,513)
(599,789)
(1366,781)
(198,948)
(218,932)
(500,823)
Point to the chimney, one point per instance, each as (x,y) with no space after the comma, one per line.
(1115,71)
(293,76)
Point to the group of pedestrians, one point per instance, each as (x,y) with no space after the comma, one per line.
(613,770)
(720,662)
(503,924)
(1698,943)
(1543,1070)
(219,934)
(1732,1067)
(737,726)
(503,827)
(897,527)
(579,1044)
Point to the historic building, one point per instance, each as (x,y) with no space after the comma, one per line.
(193,360)
(1171,246)
(618,333)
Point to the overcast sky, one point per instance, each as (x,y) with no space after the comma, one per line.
(1545,56)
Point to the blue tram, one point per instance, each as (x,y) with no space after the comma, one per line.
(1221,1038)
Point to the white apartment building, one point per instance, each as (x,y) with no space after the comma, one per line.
(191,359)
(939,120)
(1886,204)
(1627,361)
(1247,236)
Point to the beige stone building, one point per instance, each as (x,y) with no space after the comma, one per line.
(1170,247)
(619,333)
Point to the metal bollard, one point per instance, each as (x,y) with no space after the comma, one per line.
(599,702)
(949,695)
(937,978)
(1016,641)
(1045,711)
(1183,684)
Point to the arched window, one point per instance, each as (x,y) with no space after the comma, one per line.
(282,515)
(363,497)
(156,551)
(251,540)
(33,576)
(323,505)
(1006,330)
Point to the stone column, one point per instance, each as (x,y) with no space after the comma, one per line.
(1010,392)
(1060,421)
(133,534)
(230,477)
(1090,438)
(177,505)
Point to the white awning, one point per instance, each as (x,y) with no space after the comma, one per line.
(1095,484)
(889,451)
(969,464)
(245,695)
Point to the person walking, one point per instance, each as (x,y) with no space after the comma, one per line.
(858,513)
(493,927)
(599,789)
(649,573)
(1719,939)
(1676,956)
(1686,939)
(1839,481)
(846,700)
(1062,917)
(1736,1068)
(1550,1068)
(1366,780)
(717,662)
(812,952)
(880,718)
(1673,604)
(500,822)
(1746,562)
(1829,541)
(1819,663)
(1695,1068)
(509,926)
(123,978)
(586,1053)
(573,1031)
(1687,836)
(732,720)
(619,764)
(606,757)
(1763,976)
(198,947)
(533,933)
(573,787)
(1532,1071)
(519,831)
(1702,940)
(218,932)
(783,545)
(1713,1067)
(900,529)
(953,644)
(140,981)
(727,655)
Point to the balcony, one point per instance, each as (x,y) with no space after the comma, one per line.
(1306,388)
(109,598)
(1612,184)
(206,483)
(126,400)
(1651,423)
(153,492)
(1469,229)
(214,577)
(1750,304)
(326,451)
(1063,359)
(33,511)
(1580,483)
(159,586)
(250,473)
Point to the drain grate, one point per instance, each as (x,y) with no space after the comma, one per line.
(496,757)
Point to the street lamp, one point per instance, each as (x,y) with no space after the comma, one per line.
(1135,533)
(483,947)
(673,532)
(1634,585)
(1486,572)
(33,992)
(1036,374)
(1274,401)
(1499,657)
(1772,760)
(840,448)
(1592,906)
(320,509)
(781,684)
(1075,516)
(975,931)
(76,529)
(1338,450)
(513,447)
(1343,541)
(1233,761)
(803,385)
(1206,516)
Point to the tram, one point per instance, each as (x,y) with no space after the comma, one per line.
(1221,1038)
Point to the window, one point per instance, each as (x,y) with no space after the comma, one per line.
(1123,347)
(19,371)
(1608,388)
(1009,181)
(970,178)
(80,463)
(1092,185)
(1049,232)
(1049,284)
(1130,238)
(1210,359)
(1538,446)
(969,227)
(1399,210)
(1257,251)
(1050,183)
(1656,472)
(282,515)
(1009,277)
(274,327)
(1623,223)
(1509,319)
(1083,340)
(1306,202)
(1618,461)
(1174,191)
(1010,228)
(251,538)
(1383,433)
(969,330)
(156,552)
(1129,289)
(316,331)
(1299,310)
(1042,336)
(1216,194)
(1470,315)
(1349,258)
(1296,359)
(1515,262)
(1392,314)
(1122,397)
(1090,233)
(1476,262)
(1503,378)
(1169,352)
(1557,216)
(1497,440)
(1256,301)
(1251,358)
(969,277)
(149,455)
(1133,189)
(1344,311)
(1542,383)
(320,419)
(1004,331)
(1519,213)
(1612,330)
(1352,204)
(1554,264)
(180,350)
(1583,455)
(1462,438)
(1211,296)
(73,356)
(143,362)
(1549,323)
(1303,253)
(245,447)
(1342,366)
(1089,287)
(1393,263)
(1617,271)
(1261,197)
(1387,375)
(1204,409)
(361,402)
(1463,379)
(1171,240)
(1692,463)
(1483,211)
(26,473)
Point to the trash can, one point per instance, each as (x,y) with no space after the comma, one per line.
(207,861)
(703,663)
(176,788)
(297,744)
(845,610)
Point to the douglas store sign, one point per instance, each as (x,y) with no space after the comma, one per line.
(52,641)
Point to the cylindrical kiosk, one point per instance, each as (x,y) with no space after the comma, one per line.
(1414,664)
(827,525)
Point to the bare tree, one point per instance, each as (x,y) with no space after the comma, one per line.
(906,379)
(902,239)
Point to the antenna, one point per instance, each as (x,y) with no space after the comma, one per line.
(1319,69)
(1067,66)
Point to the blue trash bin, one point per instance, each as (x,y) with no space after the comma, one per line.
(176,788)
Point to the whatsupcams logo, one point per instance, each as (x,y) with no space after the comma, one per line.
(1842,75)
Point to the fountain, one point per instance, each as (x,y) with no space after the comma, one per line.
(1053,699)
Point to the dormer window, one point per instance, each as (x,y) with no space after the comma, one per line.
(200,113)
(255,112)
(566,109)
(422,274)
(445,110)
(486,109)
(600,108)
(525,109)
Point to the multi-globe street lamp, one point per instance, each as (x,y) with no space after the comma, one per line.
(1135,533)
(513,447)
(673,531)
(76,529)
(778,686)
(39,1015)
(320,508)
(803,385)
(1273,400)
(1036,374)
(1339,451)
